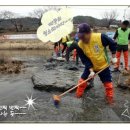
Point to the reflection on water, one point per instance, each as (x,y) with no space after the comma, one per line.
(21,36)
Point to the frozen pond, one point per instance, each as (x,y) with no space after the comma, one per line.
(34,36)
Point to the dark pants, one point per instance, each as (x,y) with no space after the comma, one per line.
(64,47)
(121,48)
(77,59)
(105,75)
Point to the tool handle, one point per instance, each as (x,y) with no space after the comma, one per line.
(82,82)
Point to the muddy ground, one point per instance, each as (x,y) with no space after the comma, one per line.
(14,89)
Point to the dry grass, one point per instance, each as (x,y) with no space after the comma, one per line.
(24,45)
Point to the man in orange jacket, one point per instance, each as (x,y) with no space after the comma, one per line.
(92,52)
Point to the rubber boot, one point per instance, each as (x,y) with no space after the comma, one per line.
(118,56)
(109,92)
(56,50)
(74,54)
(126,59)
(80,90)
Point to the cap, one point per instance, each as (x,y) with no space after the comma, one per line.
(84,28)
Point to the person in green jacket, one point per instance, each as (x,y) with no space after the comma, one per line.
(122,36)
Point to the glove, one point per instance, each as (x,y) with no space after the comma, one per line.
(114,60)
(91,74)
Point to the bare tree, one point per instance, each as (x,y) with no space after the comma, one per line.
(13,17)
(110,17)
(38,13)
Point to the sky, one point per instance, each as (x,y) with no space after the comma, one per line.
(94,11)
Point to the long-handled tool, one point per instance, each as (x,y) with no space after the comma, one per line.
(57,98)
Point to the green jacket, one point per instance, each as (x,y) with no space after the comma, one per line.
(69,43)
(122,38)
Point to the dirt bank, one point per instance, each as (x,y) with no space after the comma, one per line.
(11,66)
(25,45)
